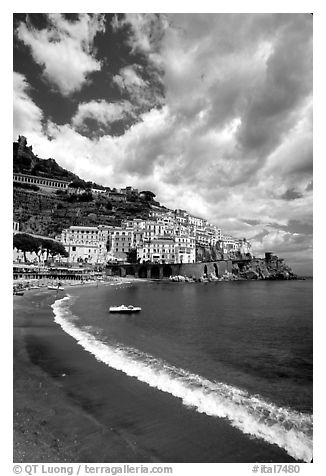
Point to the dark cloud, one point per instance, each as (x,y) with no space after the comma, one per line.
(295,227)
(291,194)
(269,112)
(252,222)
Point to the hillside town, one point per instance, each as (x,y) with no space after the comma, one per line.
(118,226)
(168,236)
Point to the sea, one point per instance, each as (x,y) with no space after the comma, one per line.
(237,352)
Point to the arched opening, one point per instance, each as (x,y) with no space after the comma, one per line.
(131,271)
(216,269)
(116,271)
(205,270)
(167,271)
(142,273)
(155,272)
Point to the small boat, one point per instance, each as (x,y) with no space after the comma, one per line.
(19,293)
(124,309)
(56,288)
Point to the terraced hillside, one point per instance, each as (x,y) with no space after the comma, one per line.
(48,213)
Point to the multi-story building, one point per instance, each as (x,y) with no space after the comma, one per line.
(167,237)
(158,250)
(181,216)
(243,246)
(196,222)
(86,244)
(129,191)
(116,196)
(185,248)
(121,241)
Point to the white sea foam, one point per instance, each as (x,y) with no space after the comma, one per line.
(252,415)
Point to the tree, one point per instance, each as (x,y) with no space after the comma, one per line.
(59,249)
(26,243)
(78,183)
(132,255)
(47,245)
(52,248)
(86,197)
(108,205)
(147,195)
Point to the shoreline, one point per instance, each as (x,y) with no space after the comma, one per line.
(43,413)
(60,415)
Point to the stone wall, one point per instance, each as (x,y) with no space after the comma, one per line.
(161,271)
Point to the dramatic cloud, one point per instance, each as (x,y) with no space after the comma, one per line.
(221,109)
(146,33)
(64,49)
(144,94)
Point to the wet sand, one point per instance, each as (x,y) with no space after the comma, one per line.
(68,407)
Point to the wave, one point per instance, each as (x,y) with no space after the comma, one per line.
(251,414)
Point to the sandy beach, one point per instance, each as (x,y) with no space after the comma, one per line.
(48,426)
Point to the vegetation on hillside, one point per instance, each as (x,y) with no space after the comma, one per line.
(48,213)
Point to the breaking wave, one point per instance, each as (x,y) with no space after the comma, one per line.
(289,429)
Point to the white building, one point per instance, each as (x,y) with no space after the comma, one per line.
(158,250)
(185,248)
(196,222)
(243,246)
(86,244)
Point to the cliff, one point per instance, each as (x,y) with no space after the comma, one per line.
(271,267)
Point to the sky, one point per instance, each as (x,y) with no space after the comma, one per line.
(212,112)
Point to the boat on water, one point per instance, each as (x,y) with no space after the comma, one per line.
(19,293)
(56,288)
(124,309)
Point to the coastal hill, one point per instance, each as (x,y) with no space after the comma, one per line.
(47,213)
(26,162)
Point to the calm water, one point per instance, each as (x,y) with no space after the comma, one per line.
(241,351)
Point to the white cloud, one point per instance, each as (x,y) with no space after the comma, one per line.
(64,49)
(102,112)
(26,114)
(129,79)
